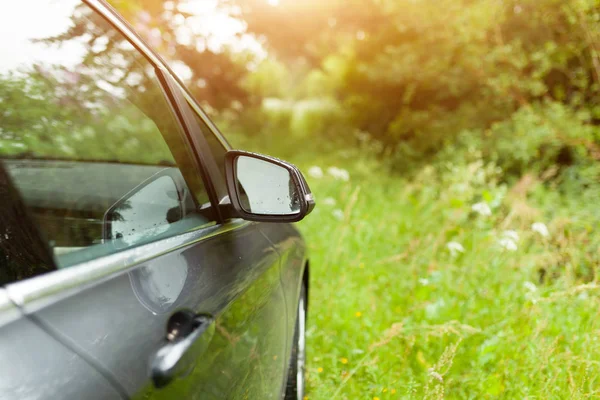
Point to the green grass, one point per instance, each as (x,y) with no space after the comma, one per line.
(394,315)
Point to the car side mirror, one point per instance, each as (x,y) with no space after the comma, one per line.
(263,188)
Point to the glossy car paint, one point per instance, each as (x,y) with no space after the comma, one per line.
(120,321)
(92,330)
(36,366)
(291,248)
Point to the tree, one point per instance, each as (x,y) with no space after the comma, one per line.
(414,74)
(214,76)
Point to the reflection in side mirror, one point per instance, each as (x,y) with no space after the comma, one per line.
(263,188)
(144,213)
(267,188)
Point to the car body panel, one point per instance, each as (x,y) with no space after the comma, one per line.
(120,320)
(36,366)
(291,248)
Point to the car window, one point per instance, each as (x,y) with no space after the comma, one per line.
(17,261)
(87,136)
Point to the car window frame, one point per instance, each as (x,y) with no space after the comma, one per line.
(198,142)
(203,129)
(186,110)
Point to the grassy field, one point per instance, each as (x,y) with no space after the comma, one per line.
(439,287)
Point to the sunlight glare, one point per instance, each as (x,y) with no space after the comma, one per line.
(273,3)
(216,28)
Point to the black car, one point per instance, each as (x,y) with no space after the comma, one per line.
(140,256)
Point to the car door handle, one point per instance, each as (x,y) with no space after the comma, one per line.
(178,356)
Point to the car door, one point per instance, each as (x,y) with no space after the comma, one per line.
(34,364)
(266,369)
(124,194)
(37,366)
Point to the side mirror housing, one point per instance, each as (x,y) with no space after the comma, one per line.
(263,188)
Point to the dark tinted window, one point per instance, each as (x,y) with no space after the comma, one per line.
(16,227)
(87,136)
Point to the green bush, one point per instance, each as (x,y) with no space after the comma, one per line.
(541,137)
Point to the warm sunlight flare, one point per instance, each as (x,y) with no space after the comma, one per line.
(217,27)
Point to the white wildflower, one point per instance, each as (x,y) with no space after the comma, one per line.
(424,281)
(338,214)
(435,375)
(531,293)
(533,300)
(455,248)
(530,286)
(432,310)
(315,172)
(508,244)
(461,187)
(541,228)
(329,201)
(510,234)
(482,209)
(339,173)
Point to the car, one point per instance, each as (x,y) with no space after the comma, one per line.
(141,256)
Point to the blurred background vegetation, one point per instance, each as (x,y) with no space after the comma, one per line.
(517,79)
(453,147)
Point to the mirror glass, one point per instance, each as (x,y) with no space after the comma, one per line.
(145,213)
(266,188)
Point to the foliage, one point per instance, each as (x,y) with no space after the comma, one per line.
(414,75)
(214,75)
(44,118)
(395,313)
(548,139)
(476,275)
